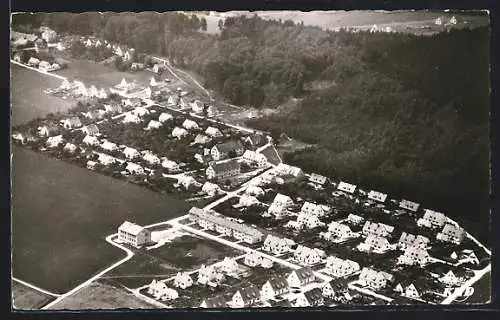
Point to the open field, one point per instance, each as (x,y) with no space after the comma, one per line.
(28,99)
(101,296)
(25,298)
(186,253)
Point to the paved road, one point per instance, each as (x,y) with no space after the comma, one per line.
(35,287)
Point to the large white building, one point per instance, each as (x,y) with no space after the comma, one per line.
(133,234)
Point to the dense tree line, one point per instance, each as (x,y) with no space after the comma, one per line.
(404,114)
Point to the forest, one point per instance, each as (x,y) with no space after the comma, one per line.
(403,114)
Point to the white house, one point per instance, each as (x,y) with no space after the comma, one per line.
(375,243)
(300,277)
(339,230)
(254,157)
(273,287)
(169,164)
(411,292)
(150,158)
(69,147)
(213,132)
(131,118)
(186,181)
(377,229)
(71,123)
(210,188)
(131,153)
(183,280)
(306,256)
(33,62)
(283,200)
(276,245)
(164,117)
(201,139)
(91,140)
(317,179)
(206,274)
(451,233)
(375,280)
(229,265)
(346,187)
(408,239)
(105,159)
(355,219)
(140,111)
(283,169)
(339,267)
(432,219)
(246,296)
(179,133)
(133,234)
(309,221)
(91,130)
(314,209)
(190,125)
(153,124)
(414,255)
(409,205)
(253,259)
(377,196)
(450,279)
(197,106)
(134,168)
(109,146)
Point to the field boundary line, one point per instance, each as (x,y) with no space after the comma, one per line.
(38,70)
(29,285)
(130,254)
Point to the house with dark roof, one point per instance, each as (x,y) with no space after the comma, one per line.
(246,296)
(335,288)
(300,277)
(222,170)
(271,155)
(311,298)
(217,302)
(49,129)
(274,287)
(71,123)
(223,150)
(91,130)
(255,140)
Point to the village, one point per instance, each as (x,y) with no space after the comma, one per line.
(305,240)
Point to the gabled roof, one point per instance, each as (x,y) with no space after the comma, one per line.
(216,302)
(347,187)
(410,205)
(225,166)
(131,228)
(339,284)
(304,273)
(231,145)
(317,178)
(314,295)
(249,293)
(256,139)
(278,283)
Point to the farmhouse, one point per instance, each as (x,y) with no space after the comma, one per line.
(54,141)
(375,280)
(179,133)
(273,287)
(214,303)
(355,219)
(183,280)
(246,296)
(339,267)
(91,130)
(150,158)
(109,146)
(253,259)
(317,179)
(131,153)
(134,168)
(190,125)
(153,124)
(432,219)
(300,277)
(213,132)
(222,170)
(71,123)
(309,221)
(164,117)
(414,255)
(276,245)
(49,129)
(254,157)
(451,233)
(377,196)
(408,239)
(105,159)
(91,140)
(306,256)
(210,188)
(225,149)
(247,200)
(409,205)
(133,234)
(346,187)
(314,209)
(311,298)
(339,230)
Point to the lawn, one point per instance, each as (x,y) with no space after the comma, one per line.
(26,298)
(28,99)
(99,295)
(62,213)
(186,253)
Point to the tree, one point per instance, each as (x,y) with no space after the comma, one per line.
(203,23)
(220,24)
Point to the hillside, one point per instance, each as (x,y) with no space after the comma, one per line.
(406,115)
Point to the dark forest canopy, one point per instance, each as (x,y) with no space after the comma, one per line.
(404,114)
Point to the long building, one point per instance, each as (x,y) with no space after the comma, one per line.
(223,225)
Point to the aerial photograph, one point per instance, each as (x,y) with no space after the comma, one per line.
(264,159)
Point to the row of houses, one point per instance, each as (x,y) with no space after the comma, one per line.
(224,226)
